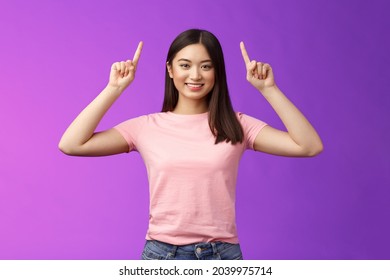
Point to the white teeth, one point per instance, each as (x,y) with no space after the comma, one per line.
(194,85)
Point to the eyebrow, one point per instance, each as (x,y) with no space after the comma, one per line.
(187,60)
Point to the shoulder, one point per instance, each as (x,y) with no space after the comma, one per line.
(133,127)
(246,120)
(146,118)
(251,128)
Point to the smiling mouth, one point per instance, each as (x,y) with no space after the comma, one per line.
(194,86)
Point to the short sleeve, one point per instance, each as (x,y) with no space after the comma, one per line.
(251,128)
(130,130)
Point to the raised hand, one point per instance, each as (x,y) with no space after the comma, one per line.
(259,74)
(123,73)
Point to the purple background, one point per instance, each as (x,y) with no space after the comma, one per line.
(331,58)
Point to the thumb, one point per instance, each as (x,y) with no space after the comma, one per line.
(252,65)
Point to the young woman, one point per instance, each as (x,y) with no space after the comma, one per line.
(192,148)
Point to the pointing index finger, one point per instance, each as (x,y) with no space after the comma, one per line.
(137,53)
(244,53)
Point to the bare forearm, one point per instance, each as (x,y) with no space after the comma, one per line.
(298,127)
(301,139)
(80,138)
(84,126)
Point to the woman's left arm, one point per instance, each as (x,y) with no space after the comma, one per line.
(301,139)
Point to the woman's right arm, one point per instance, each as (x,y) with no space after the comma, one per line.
(80,138)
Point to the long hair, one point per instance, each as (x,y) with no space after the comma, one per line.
(223,121)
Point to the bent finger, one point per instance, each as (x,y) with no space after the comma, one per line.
(267,70)
(251,68)
(123,67)
(260,69)
(264,71)
(127,68)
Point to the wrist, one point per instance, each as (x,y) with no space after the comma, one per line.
(267,91)
(113,89)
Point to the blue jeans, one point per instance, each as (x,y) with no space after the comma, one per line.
(157,250)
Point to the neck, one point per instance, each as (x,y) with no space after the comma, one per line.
(190,107)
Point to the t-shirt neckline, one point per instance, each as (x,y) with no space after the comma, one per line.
(188,117)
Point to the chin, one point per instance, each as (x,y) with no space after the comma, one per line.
(194,95)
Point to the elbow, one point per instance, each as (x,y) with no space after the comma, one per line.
(315,150)
(63,148)
(66,149)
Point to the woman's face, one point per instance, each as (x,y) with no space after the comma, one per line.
(192,72)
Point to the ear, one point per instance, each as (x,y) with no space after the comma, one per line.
(169,68)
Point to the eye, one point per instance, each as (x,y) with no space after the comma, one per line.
(184,65)
(207,67)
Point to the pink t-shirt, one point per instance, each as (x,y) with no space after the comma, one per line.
(192,181)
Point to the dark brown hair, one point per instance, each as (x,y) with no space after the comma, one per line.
(223,121)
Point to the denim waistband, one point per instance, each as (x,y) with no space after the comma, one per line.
(200,249)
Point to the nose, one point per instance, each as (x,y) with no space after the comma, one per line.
(195,74)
